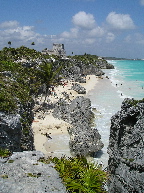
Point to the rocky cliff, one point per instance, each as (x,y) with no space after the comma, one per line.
(126,145)
(15,129)
(84,139)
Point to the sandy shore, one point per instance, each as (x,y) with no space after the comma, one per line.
(50,134)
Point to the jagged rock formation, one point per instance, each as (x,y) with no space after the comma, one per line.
(15,129)
(84,139)
(75,70)
(104,65)
(22,172)
(126,145)
(78,88)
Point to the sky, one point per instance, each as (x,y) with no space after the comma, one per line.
(113,28)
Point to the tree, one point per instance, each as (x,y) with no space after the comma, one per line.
(48,75)
(33,43)
(9,43)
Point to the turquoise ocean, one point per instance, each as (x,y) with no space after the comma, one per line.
(126,80)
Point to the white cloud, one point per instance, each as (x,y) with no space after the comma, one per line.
(96,32)
(120,21)
(23,33)
(72,34)
(142,2)
(9,24)
(136,38)
(110,37)
(89,41)
(18,35)
(83,20)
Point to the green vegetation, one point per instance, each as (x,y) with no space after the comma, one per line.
(129,160)
(19,84)
(4,153)
(10,161)
(5,176)
(135,102)
(79,176)
(34,175)
(87,59)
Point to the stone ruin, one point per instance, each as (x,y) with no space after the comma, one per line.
(58,49)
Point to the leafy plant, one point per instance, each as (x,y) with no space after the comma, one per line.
(4,152)
(135,102)
(79,176)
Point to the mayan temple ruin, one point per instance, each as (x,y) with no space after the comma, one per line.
(58,49)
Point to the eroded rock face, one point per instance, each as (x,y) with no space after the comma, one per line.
(126,146)
(23,172)
(84,139)
(15,129)
(78,88)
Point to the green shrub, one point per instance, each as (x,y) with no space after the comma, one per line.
(135,102)
(79,176)
(4,152)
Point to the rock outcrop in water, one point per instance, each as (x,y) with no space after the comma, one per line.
(84,139)
(126,146)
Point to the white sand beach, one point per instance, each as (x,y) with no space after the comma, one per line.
(50,134)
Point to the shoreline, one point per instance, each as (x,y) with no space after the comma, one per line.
(50,134)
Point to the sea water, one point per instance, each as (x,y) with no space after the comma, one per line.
(129,77)
(126,80)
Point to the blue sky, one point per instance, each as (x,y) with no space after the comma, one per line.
(101,27)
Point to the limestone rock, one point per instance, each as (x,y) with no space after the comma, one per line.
(78,88)
(126,146)
(84,139)
(24,173)
(15,129)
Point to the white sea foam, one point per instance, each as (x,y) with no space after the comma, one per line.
(107,102)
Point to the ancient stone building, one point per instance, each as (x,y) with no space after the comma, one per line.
(58,49)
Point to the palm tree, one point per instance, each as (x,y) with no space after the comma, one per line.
(48,75)
(9,43)
(33,43)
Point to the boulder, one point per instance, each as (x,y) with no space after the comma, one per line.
(78,88)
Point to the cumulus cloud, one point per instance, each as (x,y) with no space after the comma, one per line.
(9,24)
(83,20)
(142,2)
(120,21)
(72,34)
(110,37)
(96,32)
(18,35)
